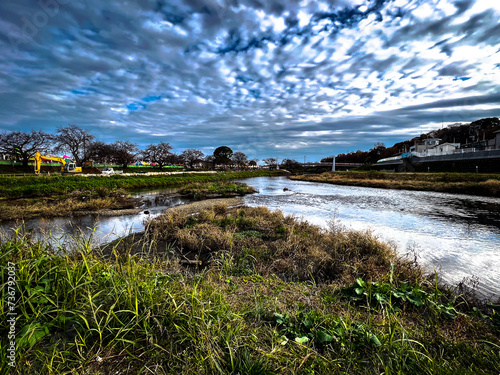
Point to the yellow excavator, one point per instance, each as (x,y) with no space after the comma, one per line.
(66,167)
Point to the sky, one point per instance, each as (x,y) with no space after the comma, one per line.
(270,78)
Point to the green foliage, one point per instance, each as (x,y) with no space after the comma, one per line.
(386,294)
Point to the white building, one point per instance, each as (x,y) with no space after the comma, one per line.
(441,149)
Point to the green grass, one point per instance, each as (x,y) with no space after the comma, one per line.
(458,183)
(249,309)
(43,186)
(217,189)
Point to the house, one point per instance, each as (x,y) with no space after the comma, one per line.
(202,164)
(441,149)
(494,144)
(426,144)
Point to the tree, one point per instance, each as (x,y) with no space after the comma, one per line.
(223,155)
(290,164)
(375,153)
(159,154)
(76,141)
(253,162)
(190,155)
(270,162)
(23,145)
(240,159)
(124,152)
(210,159)
(100,152)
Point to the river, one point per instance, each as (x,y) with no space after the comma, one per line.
(458,235)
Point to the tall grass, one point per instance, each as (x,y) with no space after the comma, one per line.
(252,307)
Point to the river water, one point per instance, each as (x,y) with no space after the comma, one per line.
(458,235)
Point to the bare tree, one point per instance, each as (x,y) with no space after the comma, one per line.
(76,141)
(290,164)
(270,162)
(210,159)
(100,152)
(23,145)
(159,154)
(240,159)
(190,155)
(124,152)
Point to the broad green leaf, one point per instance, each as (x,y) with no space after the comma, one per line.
(360,282)
(31,334)
(324,337)
(302,340)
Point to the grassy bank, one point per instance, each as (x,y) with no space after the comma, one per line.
(23,198)
(457,183)
(272,295)
(28,187)
(85,202)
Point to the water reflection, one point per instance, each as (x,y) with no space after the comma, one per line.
(101,229)
(457,234)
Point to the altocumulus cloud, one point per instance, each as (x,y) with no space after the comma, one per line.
(269,78)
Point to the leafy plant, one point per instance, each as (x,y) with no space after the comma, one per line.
(386,294)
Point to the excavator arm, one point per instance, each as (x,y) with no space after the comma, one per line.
(65,167)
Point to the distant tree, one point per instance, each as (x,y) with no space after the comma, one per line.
(253,162)
(190,155)
(240,159)
(76,141)
(124,153)
(23,145)
(223,155)
(100,152)
(376,153)
(291,164)
(210,159)
(158,153)
(270,162)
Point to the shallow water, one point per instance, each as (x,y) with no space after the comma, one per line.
(99,229)
(459,235)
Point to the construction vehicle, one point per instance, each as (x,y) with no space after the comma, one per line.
(66,167)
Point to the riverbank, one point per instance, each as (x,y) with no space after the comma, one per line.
(241,290)
(456,183)
(109,203)
(23,198)
(53,186)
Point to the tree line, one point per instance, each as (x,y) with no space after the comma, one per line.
(86,150)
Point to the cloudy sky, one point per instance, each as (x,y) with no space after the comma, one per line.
(281,78)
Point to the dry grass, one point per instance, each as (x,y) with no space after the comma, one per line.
(23,209)
(459,183)
(249,240)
